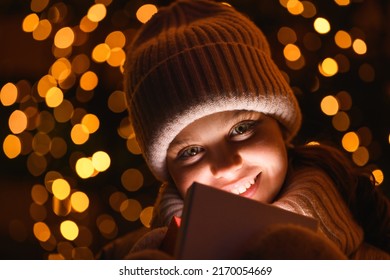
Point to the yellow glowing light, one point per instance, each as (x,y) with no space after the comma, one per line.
(359,46)
(61,189)
(131,209)
(291,52)
(97,13)
(329,105)
(116,39)
(30,22)
(87,25)
(343,39)
(8,94)
(295,7)
(101,161)
(53,257)
(117,57)
(54,97)
(101,53)
(341,121)
(313,143)
(64,38)
(145,12)
(41,231)
(328,67)
(69,230)
(84,168)
(12,146)
(49,179)
(46,83)
(91,122)
(322,25)
(17,121)
(61,69)
(132,179)
(43,30)
(343,2)
(350,142)
(79,201)
(79,134)
(146,216)
(378,177)
(88,81)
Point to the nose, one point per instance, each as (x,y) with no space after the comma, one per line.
(225,162)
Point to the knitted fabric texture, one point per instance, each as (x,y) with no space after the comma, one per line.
(195,58)
(309,192)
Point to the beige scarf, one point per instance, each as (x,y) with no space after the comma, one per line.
(309,192)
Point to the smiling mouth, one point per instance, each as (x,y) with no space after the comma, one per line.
(245,187)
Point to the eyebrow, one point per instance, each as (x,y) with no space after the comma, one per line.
(177,144)
(237,116)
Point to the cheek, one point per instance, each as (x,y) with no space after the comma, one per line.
(269,155)
(185,177)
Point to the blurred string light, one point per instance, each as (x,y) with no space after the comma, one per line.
(45,105)
(335,105)
(51,121)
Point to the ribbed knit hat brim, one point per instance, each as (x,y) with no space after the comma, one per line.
(196,58)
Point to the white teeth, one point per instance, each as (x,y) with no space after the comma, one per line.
(235,191)
(241,189)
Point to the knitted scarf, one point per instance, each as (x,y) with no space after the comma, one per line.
(309,192)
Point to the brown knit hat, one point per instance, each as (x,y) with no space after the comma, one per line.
(195,58)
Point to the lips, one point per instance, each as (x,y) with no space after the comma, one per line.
(244,187)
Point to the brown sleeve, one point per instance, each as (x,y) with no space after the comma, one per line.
(120,247)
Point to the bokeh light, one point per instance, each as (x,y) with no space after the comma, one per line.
(321,25)
(69,230)
(145,12)
(65,122)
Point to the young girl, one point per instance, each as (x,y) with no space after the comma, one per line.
(209,105)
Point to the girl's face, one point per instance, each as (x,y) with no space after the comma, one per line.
(241,152)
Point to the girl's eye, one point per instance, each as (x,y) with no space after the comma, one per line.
(242,128)
(190,152)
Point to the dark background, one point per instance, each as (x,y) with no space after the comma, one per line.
(23,58)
